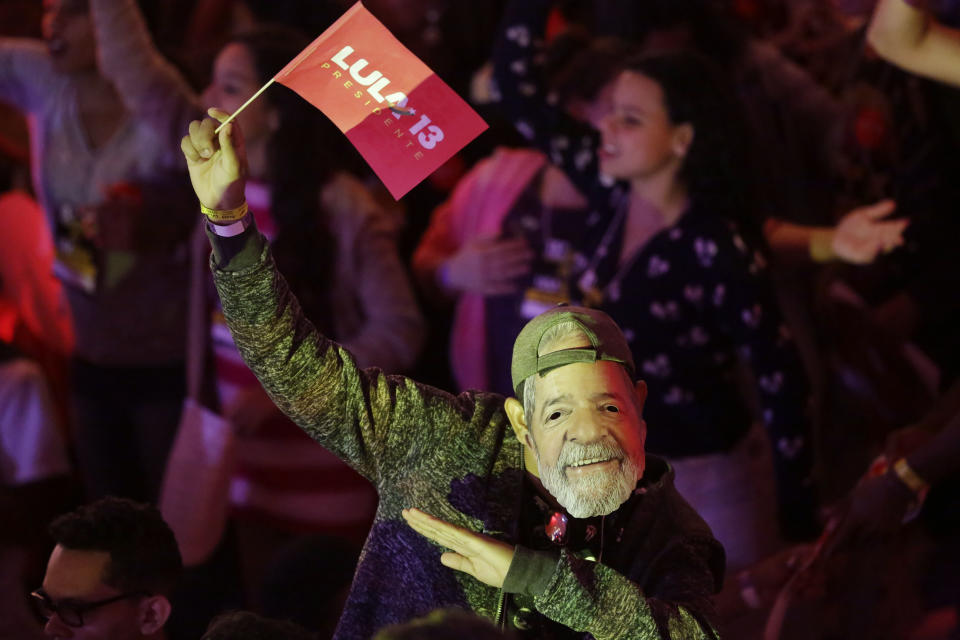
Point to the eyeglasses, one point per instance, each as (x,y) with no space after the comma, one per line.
(71,613)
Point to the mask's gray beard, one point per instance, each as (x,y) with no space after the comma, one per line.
(596,494)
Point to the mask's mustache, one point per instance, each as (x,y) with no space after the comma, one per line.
(574,452)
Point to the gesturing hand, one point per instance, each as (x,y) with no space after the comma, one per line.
(483,557)
(863,233)
(217,162)
(488,266)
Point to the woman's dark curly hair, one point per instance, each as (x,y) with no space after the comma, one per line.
(695,92)
(301,156)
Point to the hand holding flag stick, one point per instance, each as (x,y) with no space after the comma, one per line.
(399,115)
(217,162)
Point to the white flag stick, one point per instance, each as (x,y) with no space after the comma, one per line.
(244,105)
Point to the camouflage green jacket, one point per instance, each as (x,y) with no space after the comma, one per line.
(454,457)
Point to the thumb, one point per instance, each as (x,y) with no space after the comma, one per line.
(880,209)
(455,561)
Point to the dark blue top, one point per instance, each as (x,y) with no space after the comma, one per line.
(691,301)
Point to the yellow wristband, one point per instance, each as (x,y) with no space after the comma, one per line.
(909,477)
(821,245)
(220,216)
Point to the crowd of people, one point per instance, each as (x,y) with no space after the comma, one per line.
(689,301)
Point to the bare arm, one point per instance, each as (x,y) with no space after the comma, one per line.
(148,83)
(858,238)
(797,244)
(911,39)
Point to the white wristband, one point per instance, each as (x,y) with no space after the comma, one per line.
(232,229)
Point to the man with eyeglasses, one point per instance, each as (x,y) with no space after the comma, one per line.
(111,573)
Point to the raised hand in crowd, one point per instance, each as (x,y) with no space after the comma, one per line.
(864,233)
(217,162)
(858,238)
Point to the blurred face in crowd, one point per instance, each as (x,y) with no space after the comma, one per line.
(74,578)
(68,32)
(639,140)
(587,433)
(234,80)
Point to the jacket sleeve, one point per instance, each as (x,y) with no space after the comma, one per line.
(149,85)
(569,144)
(381,425)
(393,329)
(590,597)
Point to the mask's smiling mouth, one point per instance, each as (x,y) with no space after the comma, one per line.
(589,465)
(584,463)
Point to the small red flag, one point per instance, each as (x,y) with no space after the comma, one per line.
(404,120)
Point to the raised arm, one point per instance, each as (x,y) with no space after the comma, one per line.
(905,34)
(148,84)
(858,238)
(377,423)
(569,144)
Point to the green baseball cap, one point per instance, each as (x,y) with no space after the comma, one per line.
(606,343)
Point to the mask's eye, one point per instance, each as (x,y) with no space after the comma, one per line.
(554,416)
(611,408)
